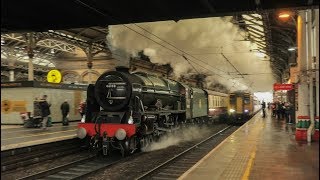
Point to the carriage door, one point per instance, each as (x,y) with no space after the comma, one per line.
(239,108)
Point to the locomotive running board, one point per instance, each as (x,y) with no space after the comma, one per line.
(167,130)
(168,112)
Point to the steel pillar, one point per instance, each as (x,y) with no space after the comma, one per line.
(308,50)
(303,100)
(11,63)
(11,75)
(89,54)
(30,46)
(316,54)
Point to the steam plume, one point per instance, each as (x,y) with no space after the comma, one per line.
(183,135)
(205,39)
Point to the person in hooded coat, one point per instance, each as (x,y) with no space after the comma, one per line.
(65,108)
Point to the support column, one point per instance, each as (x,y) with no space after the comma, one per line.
(30,47)
(316,53)
(30,69)
(309,53)
(89,63)
(12,60)
(303,100)
(11,74)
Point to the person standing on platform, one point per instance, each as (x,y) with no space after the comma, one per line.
(45,111)
(263,106)
(283,111)
(288,111)
(278,110)
(273,109)
(82,110)
(65,108)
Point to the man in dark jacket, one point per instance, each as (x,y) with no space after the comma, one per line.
(65,108)
(263,106)
(45,111)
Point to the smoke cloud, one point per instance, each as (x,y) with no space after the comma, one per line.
(183,135)
(204,39)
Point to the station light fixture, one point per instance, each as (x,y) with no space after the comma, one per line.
(284,15)
(2,41)
(292,48)
(260,54)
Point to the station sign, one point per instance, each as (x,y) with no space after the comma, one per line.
(8,106)
(278,87)
(54,76)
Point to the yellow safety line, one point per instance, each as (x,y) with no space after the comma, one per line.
(40,134)
(249,165)
(184,175)
(31,130)
(27,143)
(11,126)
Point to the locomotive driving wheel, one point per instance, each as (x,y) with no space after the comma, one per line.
(124,149)
(128,146)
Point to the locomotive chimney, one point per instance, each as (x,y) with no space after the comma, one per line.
(122,69)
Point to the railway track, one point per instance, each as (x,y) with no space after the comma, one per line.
(86,166)
(176,166)
(16,158)
(76,169)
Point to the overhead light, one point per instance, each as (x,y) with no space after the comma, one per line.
(260,54)
(292,48)
(283,15)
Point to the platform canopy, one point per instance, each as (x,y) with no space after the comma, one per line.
(39,15)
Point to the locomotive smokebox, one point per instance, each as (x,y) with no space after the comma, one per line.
(113,90)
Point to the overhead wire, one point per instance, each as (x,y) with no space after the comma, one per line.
(176,47)
(188,60)
(103,14)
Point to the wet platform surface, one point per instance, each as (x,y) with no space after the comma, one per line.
(260,149)
(14,136)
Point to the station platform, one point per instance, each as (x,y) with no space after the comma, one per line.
(263,148)
(15,136)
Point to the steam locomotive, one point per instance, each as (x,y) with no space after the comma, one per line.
(126,111)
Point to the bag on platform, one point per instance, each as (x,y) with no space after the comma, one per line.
(49,122)
(66,120)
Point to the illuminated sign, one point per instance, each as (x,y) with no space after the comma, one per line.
(278,87)
(54,76)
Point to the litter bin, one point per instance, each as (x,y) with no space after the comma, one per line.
(49,122)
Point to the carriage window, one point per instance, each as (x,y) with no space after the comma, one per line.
(232,99)
(246,100)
